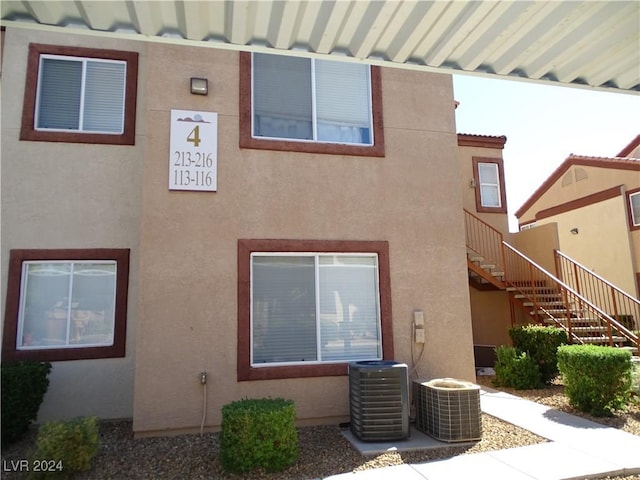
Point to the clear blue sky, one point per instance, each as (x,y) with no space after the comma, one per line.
(543,124)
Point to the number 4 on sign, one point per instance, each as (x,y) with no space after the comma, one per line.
(194,136)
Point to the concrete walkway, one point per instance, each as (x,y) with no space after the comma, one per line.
(577,449)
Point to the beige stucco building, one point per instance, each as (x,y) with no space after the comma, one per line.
(590,202)
(187,234)
(185,306)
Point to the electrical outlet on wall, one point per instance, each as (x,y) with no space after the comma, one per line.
(418,319)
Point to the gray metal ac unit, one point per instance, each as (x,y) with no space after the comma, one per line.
(379,400)
(448,409)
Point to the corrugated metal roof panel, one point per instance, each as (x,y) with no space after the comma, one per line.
(584,43)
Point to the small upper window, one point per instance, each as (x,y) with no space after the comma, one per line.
(634,208)
(310,105)
(489,183)
(311,100)
(80,95)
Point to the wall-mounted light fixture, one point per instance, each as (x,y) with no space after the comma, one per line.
(472,183)
(574,230)
(199,86)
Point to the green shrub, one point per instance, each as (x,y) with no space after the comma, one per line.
(23,387)
(597,379)
(516,369)
(258,433)
(541,344)
(635,376)
(69,446)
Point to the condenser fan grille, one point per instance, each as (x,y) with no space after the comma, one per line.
(448,409)
(379,400)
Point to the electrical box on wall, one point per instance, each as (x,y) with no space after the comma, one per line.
(418,326)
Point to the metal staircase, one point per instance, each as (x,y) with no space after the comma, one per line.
(602,315)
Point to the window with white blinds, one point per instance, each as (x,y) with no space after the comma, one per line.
(311,100)
(314,308)
(489,184)
(634,204)
(81,94)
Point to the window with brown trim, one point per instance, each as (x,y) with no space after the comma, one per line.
(80,95)
(66,304)
(301,117)
(633,208)
(488,176)
(308,307)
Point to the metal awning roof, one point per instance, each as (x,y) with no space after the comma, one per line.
(579,43)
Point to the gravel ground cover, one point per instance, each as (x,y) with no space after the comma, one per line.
(323,449)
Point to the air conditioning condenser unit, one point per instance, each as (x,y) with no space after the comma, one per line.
(379,400)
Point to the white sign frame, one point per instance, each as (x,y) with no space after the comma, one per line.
(193,151)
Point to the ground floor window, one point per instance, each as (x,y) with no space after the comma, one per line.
(310,307)
(66,304)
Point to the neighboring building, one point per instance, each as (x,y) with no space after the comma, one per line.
(581,226)
(313,236)
(592,204)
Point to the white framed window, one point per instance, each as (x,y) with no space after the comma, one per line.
(634,206)
(311,100)
(314,308)
(489,185)
(67,304)
(80,94)
(488,180)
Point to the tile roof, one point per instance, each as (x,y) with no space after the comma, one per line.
(488,141)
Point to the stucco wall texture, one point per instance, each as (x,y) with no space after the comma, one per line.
(188,246)
(182,315)
(61,196)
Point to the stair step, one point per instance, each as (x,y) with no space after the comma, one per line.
(587,322)
(552,311)
(602,340)
(547,304)
(593,329)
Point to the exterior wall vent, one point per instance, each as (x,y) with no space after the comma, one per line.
(379,400)
(448,409)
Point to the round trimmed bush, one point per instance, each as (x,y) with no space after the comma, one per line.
(597,379)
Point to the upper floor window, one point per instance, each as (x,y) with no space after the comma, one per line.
(634,208)
(80,95)
(311,100)
(66,304)
(489,181)
(310,105)
(307,308)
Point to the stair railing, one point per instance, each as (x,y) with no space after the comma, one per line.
(521,272)
(534,282)
(609,298)
(484,240)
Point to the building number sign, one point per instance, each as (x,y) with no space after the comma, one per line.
(193,155)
